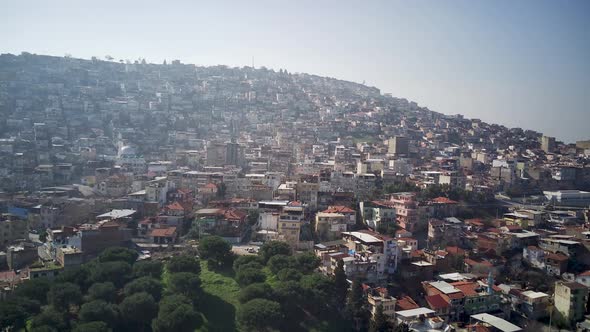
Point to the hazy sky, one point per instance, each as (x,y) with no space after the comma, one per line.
(518,63)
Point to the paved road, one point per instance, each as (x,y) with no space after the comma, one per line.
(242,249)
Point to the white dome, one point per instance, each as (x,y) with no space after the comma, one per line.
(127,151)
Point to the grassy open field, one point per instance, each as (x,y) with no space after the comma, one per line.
(220,301)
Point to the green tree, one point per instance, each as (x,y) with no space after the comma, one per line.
(246,260)
(289,294)
(185,283)
(34,289)
(118,254)
(12,316)
(273,248)
(98,310)
(148,269)
(340,283)
(318,291)
(216,251)
(62,295)
(307,262)
(356,305)
(247,276)
(105,291)
(169,302)
(50,318)
(92,327)
(289,274)
(279,262)
(253,216)
(116,272)
(254,291)
(184,263)
(260,315)
(76,275)
(144,284)
(43,236)
(380,322)
(138,310)
(182,317)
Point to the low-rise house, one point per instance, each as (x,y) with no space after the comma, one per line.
(349,214)
(556,264)
(43,270)
(229,223)
(464,297)
(437,303)
(167,235)
(534,305)
(490,323)
(405,303)
(442,207)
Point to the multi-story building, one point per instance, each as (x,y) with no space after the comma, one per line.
(371,255)
(406,212)
(329,226)
(290,221)
(380,297)
(547,144)
(12,229)
(377,213)
(570,300)
(398,145)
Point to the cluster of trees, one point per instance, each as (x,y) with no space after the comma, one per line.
(110,293)
(453,193)
(280,290)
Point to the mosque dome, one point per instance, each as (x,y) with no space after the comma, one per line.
(127,151)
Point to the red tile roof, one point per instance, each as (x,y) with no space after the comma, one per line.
(406,303)
(557,257)
(163,232)
(175,206)
(338,209)
(472,262)
(8,276)
(444,200)
(467,288)
(437,302)
(455,250)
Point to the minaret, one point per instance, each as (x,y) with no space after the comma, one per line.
(490,283)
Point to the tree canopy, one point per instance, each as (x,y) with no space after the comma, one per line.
(273,248)
(118,254)
(138,310)
(62,295)
(184,263)
(260,315)
(216,251)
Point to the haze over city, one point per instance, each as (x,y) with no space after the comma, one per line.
(521,64)
(275,166)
